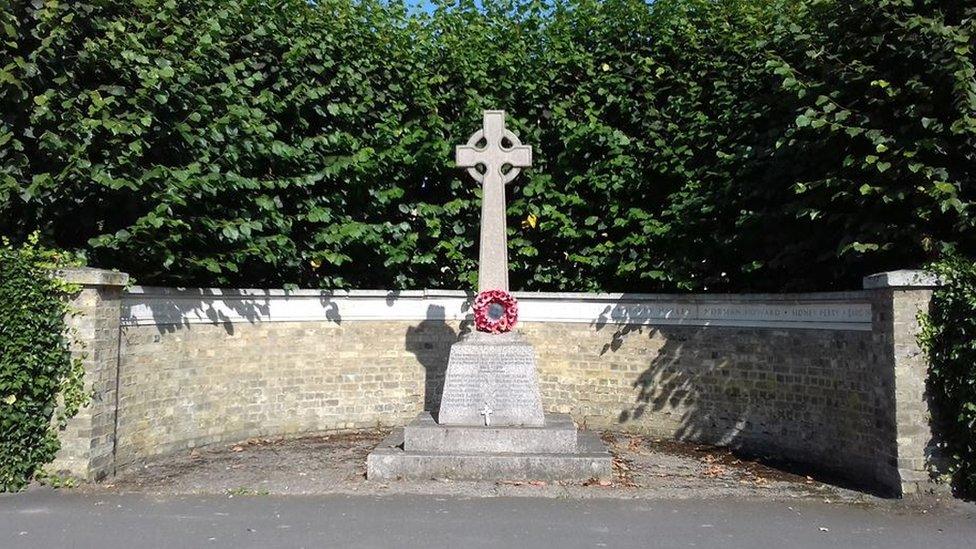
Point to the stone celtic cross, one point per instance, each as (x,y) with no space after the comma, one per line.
(502,157)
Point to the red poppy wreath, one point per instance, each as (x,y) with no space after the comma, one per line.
(495,311)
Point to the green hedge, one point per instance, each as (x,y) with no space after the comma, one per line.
(949,338)
(41,385)
(680,144)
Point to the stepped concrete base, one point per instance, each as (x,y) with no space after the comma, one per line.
(443,457)
(556,436)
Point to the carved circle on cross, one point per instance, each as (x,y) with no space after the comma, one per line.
(507,134)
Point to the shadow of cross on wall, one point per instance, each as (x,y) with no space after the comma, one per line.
(430,341)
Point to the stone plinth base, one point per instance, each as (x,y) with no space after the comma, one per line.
(553,451)
(556,436)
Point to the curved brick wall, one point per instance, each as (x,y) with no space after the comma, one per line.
(808,377)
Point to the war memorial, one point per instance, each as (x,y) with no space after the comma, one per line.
(499,385)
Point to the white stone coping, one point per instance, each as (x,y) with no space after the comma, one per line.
(168,306)
(905,278)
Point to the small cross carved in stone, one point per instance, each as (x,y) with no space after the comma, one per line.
(502,157)
(487,411)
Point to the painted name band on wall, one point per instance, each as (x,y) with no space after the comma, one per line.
(168,306)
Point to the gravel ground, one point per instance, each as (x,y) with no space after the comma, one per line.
(645,468)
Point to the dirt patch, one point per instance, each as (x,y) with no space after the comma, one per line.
(643,468)
(308,465)
(658,465)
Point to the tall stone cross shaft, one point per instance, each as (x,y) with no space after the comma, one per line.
(502,163)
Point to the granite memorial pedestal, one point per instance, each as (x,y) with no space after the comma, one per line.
(491,425)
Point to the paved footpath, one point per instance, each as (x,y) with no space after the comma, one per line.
(44,518)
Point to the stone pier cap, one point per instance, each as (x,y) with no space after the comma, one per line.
(91,276)
(904,278)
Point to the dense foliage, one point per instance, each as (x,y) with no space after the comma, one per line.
(949,338)
(689,144)
(41,385)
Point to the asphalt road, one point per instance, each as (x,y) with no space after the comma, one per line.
(47,519)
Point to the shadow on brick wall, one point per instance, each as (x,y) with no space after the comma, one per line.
(174,312)
(687,387)
(686,390)
(781,396)
(430,341)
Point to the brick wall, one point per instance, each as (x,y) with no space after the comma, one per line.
(832,380)
(182,387)
(814,396)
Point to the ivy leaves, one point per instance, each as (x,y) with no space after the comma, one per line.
(41,385)
(948,339)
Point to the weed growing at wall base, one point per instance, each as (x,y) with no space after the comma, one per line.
(41,384)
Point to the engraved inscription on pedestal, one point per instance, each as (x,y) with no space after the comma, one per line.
(493,372)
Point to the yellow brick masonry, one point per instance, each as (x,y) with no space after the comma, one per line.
(849,402)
